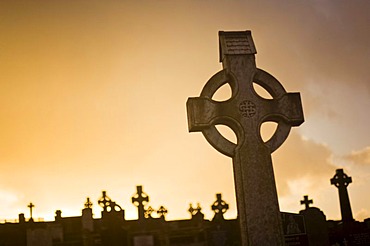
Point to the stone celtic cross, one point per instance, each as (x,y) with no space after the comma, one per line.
(219,207)
(105,201)
(138,200)
(244,112)
(341,181)
(88,203)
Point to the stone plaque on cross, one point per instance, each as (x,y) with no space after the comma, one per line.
(244,113)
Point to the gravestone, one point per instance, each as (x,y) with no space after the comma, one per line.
(111,210)
(139,200)
(294,229)
(87,220)
(196,213)
(306,201)
(162,211)
(219,207)
(316,225)
(341,181)
(244,112)
(31,206)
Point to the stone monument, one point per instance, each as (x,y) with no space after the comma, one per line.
(341,181)
(316,225)
(31,206)
(139,200)
(244,112)
(219,207)
(306,201)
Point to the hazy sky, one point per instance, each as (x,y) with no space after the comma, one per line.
(93,93)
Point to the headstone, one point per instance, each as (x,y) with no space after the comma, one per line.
(196,213)
(31,206)
(162,211)
(306,202)
(21,218)
(148,212)
(87,217)
(104,201)
(219,207)
(138,200)
(58,215)
(316,225)
(341,181)
(294,229)
(111,210)
(244,112)
(88,203)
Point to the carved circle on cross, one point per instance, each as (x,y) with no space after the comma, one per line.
(247,109)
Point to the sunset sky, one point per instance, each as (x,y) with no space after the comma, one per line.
(93,94)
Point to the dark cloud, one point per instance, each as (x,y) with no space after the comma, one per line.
(324,40)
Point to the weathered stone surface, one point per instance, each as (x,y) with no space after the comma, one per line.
(244,112)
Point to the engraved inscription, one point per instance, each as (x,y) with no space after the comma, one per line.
(247,108)
(237,45)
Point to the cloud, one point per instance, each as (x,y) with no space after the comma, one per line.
(362,214)
(302,159)
(360,157)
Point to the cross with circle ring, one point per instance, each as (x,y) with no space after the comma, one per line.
(244,113)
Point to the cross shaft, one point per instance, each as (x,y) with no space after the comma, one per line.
(31,206)
(244,112)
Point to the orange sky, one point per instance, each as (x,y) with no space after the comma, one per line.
(93,93)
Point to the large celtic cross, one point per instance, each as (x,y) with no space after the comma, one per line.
(244,113)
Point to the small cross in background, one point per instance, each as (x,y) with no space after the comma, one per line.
(139,199)
(88,203)
(306,202)
(31,206)
(162,211)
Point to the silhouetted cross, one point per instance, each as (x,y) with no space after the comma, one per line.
(306,202)
(191,209)
(341,181)
(220,206)
(196,213)
(198,209)
(244,113)
(88,204)
(138,200)
(162,211)
(31,206)
(104,201)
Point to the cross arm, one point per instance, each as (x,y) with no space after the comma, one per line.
(201,111)
(288,108)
